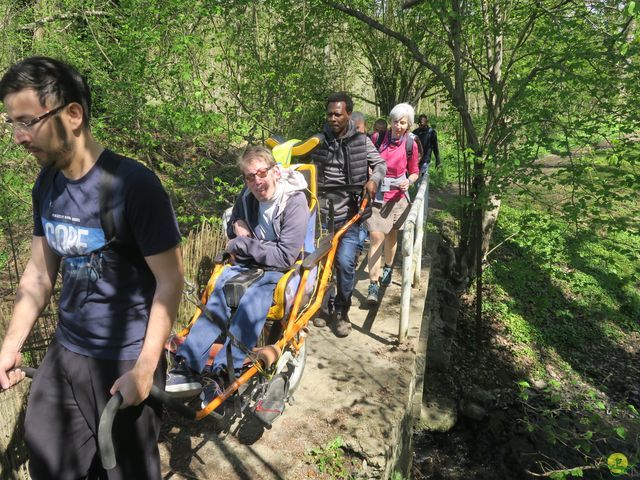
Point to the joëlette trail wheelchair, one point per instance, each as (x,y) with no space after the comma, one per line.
(281,351)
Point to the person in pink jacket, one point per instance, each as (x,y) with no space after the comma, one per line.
(392,204)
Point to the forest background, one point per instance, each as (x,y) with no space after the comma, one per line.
(181,86)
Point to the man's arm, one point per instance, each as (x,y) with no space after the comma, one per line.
(167,269)
(377,166)
(34,292)
(436,152)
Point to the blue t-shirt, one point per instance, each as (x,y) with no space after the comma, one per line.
(106,296)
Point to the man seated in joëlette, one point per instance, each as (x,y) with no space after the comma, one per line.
(266,230)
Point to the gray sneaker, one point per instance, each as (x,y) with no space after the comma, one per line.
(342,325)
(385,281)
(182,381)
(372,295)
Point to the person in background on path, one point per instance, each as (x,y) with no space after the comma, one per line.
(429,140)
(380,132)
(122,279)
(266,230)
(359,121)
(344,157)
(392,204)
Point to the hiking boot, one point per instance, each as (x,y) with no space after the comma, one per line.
(182,381)
(342,325)
(319,322)
(372,295)
(271,405)
(385,280)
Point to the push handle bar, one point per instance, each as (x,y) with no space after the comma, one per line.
(300,149)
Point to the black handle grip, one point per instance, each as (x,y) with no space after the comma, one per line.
(30,372)
(105,441)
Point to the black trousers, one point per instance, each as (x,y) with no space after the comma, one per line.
(61,426)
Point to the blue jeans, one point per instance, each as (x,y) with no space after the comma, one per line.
(345,267)
(246,325)
(362,236)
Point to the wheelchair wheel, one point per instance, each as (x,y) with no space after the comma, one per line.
(293,366)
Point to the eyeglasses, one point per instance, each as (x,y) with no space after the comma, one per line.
(27,126)
(261,172)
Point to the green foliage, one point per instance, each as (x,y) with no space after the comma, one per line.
(398,476)
(182,85)
(586,427)
(16,180)
(331,459)
(276,67)
(387,70)
(567,303)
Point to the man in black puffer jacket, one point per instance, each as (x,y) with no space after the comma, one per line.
(344,157)
(429,140)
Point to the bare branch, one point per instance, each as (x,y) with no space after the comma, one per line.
(365,100)
(95,39)
(407,42)
(63,16)
(563,470)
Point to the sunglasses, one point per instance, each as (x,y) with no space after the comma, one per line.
(261,172)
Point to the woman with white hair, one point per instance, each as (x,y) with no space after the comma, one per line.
(391,207)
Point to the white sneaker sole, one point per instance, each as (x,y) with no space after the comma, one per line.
(184,389)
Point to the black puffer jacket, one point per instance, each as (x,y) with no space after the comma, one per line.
(346,161)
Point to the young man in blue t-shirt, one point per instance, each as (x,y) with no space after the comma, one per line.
(121,282)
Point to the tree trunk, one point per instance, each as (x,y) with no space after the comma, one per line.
(489,218)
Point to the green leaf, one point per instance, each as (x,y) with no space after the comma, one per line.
(621,432)
(624,49)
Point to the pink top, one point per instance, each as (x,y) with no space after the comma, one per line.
(395,154)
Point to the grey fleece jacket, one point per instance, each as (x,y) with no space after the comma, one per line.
(289,224)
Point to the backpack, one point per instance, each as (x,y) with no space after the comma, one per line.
(408,144)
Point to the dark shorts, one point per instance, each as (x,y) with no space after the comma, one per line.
(63,413)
